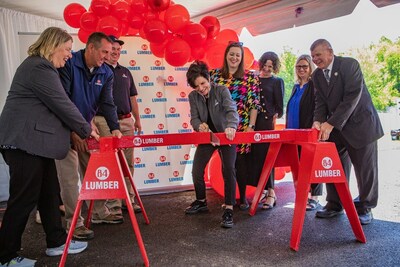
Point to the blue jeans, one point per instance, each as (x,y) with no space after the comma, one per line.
(228,158)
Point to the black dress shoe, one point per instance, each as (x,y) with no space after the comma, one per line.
(366,218)
(328,213)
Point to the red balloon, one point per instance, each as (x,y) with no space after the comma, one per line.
(248,58)
(73,13)
(255,65)
(83,35)
(110,26)
(120,10)
(212,25)
(161,15)
(176,17)
(198,53)
(226,36)
(155,31)
(159,5)
(89,21)
(100,7)
(195,34)
(149,15)
(132,32)
(215,56)
(209,43)
(279,173)
(139,6)
(177,52)
(124,28)
(142,34)
(158,49)
(136,21)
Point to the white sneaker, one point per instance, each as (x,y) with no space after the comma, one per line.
(37,218)
(75,247)
(20,262)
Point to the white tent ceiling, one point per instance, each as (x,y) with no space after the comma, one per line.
(258,16)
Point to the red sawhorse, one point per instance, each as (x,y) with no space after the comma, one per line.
(319,163)
(104,179)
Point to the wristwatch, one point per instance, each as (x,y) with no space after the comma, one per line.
(252,126)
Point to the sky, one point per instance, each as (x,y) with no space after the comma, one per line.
(366,25)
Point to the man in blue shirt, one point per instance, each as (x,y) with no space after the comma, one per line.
(88,82)
(124,92)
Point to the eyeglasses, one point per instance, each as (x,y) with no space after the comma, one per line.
(304,67)
(235,43)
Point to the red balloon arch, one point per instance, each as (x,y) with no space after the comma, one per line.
(161,22)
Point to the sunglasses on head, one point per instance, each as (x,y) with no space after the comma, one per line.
(235,43)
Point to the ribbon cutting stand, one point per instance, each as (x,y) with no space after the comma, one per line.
(104,177)
(319,163)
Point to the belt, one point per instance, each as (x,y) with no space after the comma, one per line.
(124,116)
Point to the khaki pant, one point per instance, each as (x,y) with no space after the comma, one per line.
(70,171)
(127,129)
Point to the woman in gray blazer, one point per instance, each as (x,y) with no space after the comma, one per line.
(212,109)
(35,127)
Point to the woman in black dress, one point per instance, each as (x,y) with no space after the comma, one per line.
(271,100)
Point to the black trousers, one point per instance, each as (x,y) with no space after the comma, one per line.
(259,153)
(316,189)
(228,157)
(365,163)
(243,161)
(33,181)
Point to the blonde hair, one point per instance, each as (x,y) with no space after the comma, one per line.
(48,41)
(310,65)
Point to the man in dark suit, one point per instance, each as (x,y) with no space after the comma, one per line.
(345,115)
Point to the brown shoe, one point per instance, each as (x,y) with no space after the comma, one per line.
(136,208)
(110,219)
(82,233)
(116,211)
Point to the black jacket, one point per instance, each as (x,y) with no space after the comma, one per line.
(307,106)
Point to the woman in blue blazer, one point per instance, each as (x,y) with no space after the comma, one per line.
(300,111)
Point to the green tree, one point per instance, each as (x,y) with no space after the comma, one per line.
(288,60)
(380,64)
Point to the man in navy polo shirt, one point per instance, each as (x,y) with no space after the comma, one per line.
(124,93)
(88,82)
